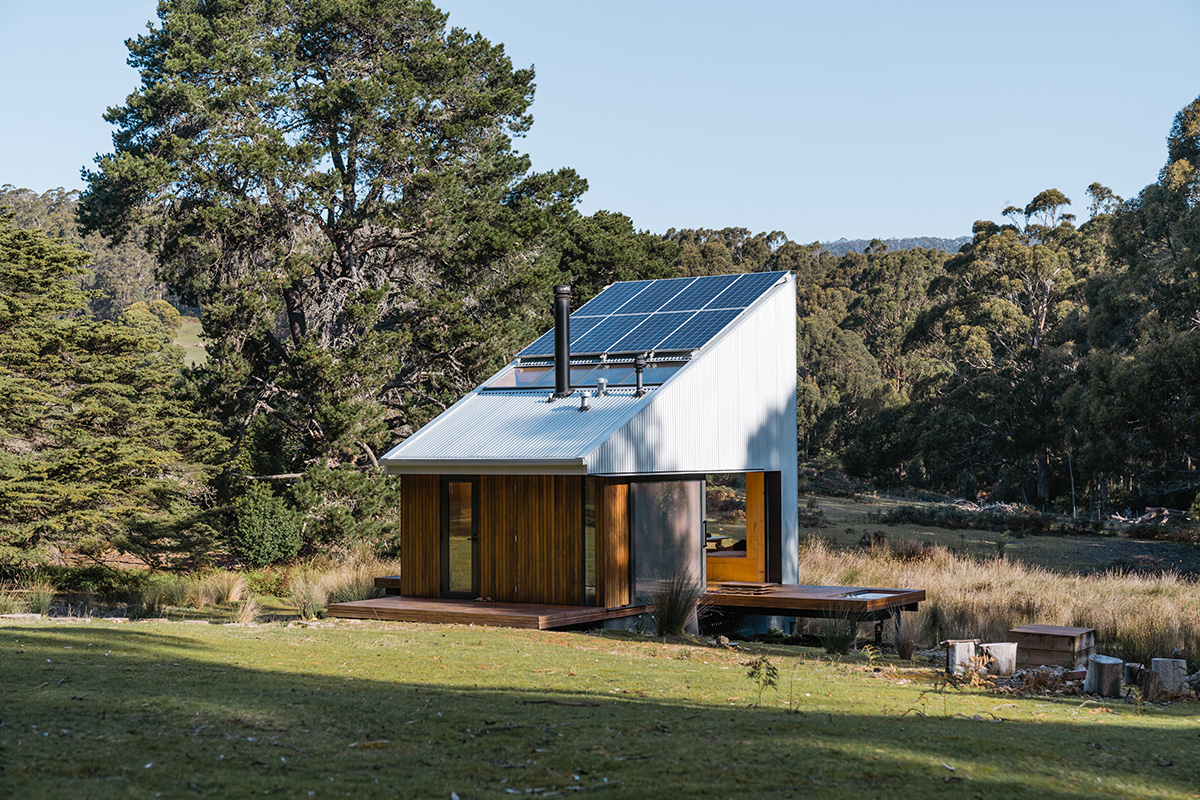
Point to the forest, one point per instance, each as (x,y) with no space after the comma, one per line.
(333,190)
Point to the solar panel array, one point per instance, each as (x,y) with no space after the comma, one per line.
(670,314)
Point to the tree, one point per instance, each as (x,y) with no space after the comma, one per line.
(121,274)
(1136,405)
(97,450)
(1004,315)
(335,184)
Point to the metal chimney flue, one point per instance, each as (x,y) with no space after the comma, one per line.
(562,341)
(639,365)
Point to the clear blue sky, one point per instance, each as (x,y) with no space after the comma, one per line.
(819,119)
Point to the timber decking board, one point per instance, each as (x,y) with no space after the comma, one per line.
(790,599)
(421,535)
(472,612)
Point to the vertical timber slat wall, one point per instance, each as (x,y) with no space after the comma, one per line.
(612,535)
(420,536)
(531,538)
(497,537)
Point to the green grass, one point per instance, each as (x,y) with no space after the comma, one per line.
(189,339)
(394,710)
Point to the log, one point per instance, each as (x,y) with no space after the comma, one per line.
(959,653)
(1002,657)
(1104,676)
(1172,674)
(1132,668)
(1149,685)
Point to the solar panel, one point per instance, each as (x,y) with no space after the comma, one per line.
(745,290)
(601,338)
(544,346)
(699,329)
(653,297)
(668,314)
(652,331)
(612,298)
(700,292)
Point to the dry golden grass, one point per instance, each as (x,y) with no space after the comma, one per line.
(1136,617)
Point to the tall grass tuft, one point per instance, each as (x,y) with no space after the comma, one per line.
(1135,616)
(309,594)
(39,596)
(10,603)
(909,630)
(227,587)
(353,582)
(675,599)
(200,592)
(839,634)
(248,610)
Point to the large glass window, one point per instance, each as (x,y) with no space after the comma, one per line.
(725,514)
(666,533)
(459,540)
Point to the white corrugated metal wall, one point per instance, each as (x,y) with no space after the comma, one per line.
(732,410)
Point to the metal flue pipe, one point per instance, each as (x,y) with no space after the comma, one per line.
(562,341)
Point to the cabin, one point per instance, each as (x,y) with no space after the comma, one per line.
(563,489)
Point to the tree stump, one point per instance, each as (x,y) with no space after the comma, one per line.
(1149,684)
(959,653)
(1002,657)
(1132,668)
(1172,674)
(1104,676)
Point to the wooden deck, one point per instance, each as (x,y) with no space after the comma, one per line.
(813,601)
(476,612)
(773,599)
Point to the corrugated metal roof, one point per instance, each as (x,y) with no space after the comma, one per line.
(490,430)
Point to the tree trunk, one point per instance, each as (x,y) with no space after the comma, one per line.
(1043,475)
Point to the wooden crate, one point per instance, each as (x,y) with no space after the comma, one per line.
(1053,645)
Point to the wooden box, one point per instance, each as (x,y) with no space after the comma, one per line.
(1053,645)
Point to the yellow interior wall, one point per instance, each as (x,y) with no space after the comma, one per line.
(752,566)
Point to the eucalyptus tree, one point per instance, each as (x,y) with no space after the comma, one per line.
(335,185)
(1003,321)
(1137,403)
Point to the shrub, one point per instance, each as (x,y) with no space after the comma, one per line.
(266,529)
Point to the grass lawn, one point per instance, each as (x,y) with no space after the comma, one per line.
(364,709)
(189,339)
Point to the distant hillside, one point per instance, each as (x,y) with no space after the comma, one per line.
(843,246)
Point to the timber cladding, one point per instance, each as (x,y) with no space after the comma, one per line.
(612,535)
(420,536)
(531,538)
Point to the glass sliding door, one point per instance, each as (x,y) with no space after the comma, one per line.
(460,536)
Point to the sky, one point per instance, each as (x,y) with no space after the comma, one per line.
(823,120)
